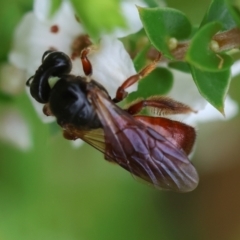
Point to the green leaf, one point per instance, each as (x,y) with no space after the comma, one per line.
(55,5)
(162,25)
(200,54)
(99,16)
(155,3)
(213,86)
(140,60)
(158,82)
(54,128)
(220,11)
(236,14)
(181,66)
(5,97)
(136,45)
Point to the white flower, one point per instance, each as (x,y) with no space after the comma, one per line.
(209,113)
(236,68)
(131,15)
(36,33)
(108,72)
(184,90)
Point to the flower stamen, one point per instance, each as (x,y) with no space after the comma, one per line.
(54,29)
(79,43)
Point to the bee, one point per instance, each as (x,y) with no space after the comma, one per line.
(152,148)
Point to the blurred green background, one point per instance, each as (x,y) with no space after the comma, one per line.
(55,191)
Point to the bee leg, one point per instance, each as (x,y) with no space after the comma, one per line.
(161,105)
(121,93)
(87,66)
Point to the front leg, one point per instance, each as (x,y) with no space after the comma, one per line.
(87,66)
(121,93)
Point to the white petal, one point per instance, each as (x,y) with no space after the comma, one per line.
(212,114)
(33,37)
(112,65)
(184,90)
(42,9)
(64,17)
(131,15)
(14,130)
(236,68)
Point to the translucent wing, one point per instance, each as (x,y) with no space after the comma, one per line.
(93,137)
(141,150)
(181,135)
(137,147)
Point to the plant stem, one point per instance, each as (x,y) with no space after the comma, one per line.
(226,41)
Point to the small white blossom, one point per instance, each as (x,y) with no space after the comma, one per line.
(111,74)
(131,15)
(210,113)
(185,90)
(236,68)
(36,33)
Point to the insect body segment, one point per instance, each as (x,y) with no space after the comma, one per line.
(69,104)
(154,149)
